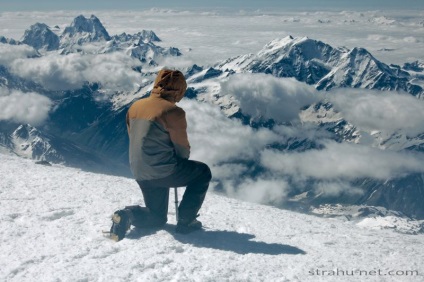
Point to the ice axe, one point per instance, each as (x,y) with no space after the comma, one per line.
(176,203)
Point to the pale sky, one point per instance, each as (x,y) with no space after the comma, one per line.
(48,5)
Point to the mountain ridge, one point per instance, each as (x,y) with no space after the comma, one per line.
(314,62)
(87,31)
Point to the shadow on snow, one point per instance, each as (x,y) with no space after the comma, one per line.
(240,243)
(232,241)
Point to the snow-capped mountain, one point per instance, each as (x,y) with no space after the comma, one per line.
(359,69)
(319,64)
(144,36)
(40,36)
(310,61)
(89,36)
(305,59)
(144,51)
(30,143)
(140,45)
(84,30)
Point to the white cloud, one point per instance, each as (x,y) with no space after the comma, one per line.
(228,170)
(301,132)
(228,147)
(411,39)
(22,107)
(10,53)
(263,191)
(343,161)
(336,188)
(179,62)
(392,39)
(380,37)
(382,111)
(56,72)
(217,139)
(266,96)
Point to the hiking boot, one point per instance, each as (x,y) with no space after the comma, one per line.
(185,227)
(120,225)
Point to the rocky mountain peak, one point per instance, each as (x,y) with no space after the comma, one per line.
(40,36)
(84,30)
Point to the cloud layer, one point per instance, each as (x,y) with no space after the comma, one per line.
(269,97)
(231,148)
(22,107)
(261,190)
(342,161)
(56,72)
(381,111)
(217,139)
(10,53)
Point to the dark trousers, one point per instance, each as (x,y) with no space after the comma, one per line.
(192,174)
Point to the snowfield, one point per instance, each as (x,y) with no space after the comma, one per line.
(52,220)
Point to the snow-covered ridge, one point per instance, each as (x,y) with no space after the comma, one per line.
(52,220)
(317,63)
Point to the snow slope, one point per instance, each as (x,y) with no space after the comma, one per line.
(52,217)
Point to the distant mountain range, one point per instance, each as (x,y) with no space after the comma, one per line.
(319,64)
(90,133)
(90,31)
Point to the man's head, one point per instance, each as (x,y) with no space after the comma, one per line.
(170,85)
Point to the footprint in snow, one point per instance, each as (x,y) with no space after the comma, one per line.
(58,215)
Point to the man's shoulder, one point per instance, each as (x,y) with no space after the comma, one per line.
(175,110)
(155,108)
(151,103)
(136,104)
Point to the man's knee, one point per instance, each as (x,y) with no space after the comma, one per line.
(206,172)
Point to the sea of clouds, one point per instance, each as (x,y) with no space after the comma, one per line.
(332,168)
(230,147)
(206,37)
(59,73)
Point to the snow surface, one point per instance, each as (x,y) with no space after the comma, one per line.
(52,218)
